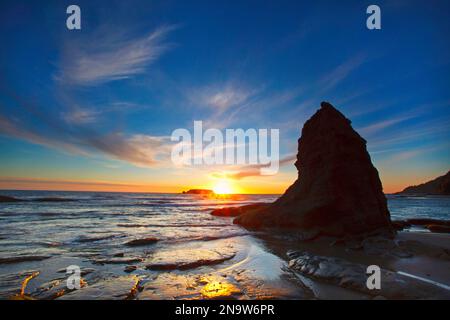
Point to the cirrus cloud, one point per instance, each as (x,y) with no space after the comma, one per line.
(107,58)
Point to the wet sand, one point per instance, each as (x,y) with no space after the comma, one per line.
(233,268)
(423,257)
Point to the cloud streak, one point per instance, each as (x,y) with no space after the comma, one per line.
(340,73)
(253,170)
(110,58)
(140,150)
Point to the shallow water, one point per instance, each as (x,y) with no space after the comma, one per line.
(92,231)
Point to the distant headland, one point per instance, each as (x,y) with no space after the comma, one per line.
(437,186)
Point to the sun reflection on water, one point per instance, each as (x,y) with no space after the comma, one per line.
(219,290)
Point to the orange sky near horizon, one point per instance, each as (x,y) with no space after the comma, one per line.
(254,185)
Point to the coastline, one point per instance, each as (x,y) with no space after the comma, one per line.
(190,254)
(258,269)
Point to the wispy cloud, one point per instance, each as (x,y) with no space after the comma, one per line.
(404,155)
(80,116)
(76,185)
(221,97)
(230,101)
(16,130)
(110,58)
(341,72)
(424,131)
(252,170)
(381,125)
(140,150)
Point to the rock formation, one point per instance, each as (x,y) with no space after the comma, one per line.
(438,186)
(338,191)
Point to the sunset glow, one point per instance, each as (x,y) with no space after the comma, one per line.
(223,186)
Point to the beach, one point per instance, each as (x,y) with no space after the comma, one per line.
(190,254)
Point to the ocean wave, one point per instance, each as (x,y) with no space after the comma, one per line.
(178,225)
(83,238)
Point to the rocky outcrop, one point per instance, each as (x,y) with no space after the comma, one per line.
(184,259)
(434,225)
(236,211)
(8,199)
(438,186)
(141,242)
(46,199)
(354,276)
(338,191)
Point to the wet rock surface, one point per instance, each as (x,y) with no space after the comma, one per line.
(23,258)
(12,283)
(118,260)
(438,228)
(433,225)
(141,242)
(179,287)
(118,288)
(338,190)
(353,276)
(237,211)
(187,259)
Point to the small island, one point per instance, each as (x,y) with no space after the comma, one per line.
(199,191)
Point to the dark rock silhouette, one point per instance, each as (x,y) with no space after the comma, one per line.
(199,191)
(8,199)
(236,211)
(438,186)
(434,225)
(338,191)
(141,242)
(47,199)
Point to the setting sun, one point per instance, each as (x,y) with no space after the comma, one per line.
(223,187)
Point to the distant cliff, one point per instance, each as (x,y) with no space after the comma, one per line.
(438,186)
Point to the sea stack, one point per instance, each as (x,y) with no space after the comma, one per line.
(338,191)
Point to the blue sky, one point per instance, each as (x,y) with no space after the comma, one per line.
(95,107)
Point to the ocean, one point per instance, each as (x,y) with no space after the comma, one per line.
(91,229)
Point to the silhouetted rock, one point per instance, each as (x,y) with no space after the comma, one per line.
(427,221)
(53,199)
(338,191)
(438,228)
(400,225)
(438,186)
(236,211)
(434,225)
(9,199)
(199,191)
(45,199)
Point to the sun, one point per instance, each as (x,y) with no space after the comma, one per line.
(223,187)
